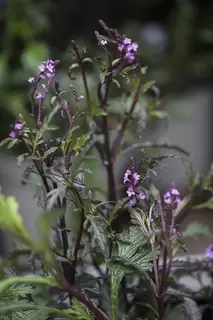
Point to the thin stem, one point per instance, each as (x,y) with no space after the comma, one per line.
(155,266)
(83,73)
(152,145)
(79,296)
(109,163)
(77,247)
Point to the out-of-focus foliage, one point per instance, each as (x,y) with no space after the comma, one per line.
(176,40)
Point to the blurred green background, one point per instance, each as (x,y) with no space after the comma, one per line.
(176,39)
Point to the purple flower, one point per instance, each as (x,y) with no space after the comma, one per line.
(18,126)
(132,203)
(79,99)
(130,192)
(172,197)
(12,134)
(127,41)
(38,95)
(47,68)
(141,196)
(132,178)
(126,176)
(209,251)
(16,130)
(128,49)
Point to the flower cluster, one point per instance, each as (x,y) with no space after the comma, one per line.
(132,178)
(209,251)
(16,130)
(172,197)
(47,71)
(128,49)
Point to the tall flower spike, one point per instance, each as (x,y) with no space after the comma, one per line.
(132,178)
(172,196)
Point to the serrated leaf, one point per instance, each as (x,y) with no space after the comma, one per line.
(50,151)
(21,158)
(11,221)
(133,253)
(97,227)
(38,311)
(5,284)
(80,311)
(195,229)
(81,141)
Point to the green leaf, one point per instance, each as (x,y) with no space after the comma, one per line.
(11,221)
(97,226)
(51,115)
(87,59)
(81,141)
(195,229)
(5,284)
(42,312)
(147,85)
(21,158)
(6,141)
(50,151)
(160,114)
(80,311)
(97,111)
(206,205)
(12,143)
(134,254)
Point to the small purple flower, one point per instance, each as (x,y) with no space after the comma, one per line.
(130,192)
(42,67)
(16,130)
(47,68)
(132,203)
(132,178)
(31,79)
(128,49)
(141,196)
(172,197)
(209,251)
(79,99)
(12,134)
(38,95)
(126,176)
(18,126)
(127,41)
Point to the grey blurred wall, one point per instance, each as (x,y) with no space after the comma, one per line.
(192,133)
